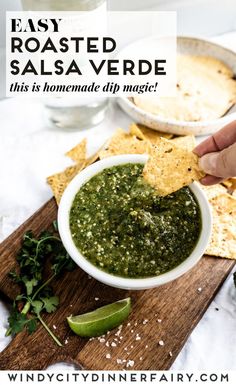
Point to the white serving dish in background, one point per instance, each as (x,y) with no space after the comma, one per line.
(190,46)
(116,281)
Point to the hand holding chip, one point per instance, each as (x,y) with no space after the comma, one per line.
(218,155)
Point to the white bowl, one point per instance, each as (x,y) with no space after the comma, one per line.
(189,46)
(116,281)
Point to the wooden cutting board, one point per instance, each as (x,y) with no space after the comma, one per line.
(179,305)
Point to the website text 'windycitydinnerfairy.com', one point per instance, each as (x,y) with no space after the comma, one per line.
(117,377)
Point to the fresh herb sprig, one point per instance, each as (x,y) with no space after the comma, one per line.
(36,294)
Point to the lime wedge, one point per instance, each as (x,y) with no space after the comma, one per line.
(101,320)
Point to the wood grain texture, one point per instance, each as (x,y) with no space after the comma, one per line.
(179,305)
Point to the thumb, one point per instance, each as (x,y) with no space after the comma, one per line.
(221,164)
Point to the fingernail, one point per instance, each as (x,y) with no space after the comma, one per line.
(208,163)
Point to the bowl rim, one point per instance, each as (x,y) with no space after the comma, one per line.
(116,281)
(145,114)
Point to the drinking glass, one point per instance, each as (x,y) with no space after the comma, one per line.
(73,112)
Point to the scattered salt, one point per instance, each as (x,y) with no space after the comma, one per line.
(119,361)
(130,363)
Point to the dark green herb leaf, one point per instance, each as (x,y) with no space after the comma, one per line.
(17,321)
(37,295)
(30,285)
(31,325)
(37,306)
(50,304)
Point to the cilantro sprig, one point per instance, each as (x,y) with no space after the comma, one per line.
(36,295)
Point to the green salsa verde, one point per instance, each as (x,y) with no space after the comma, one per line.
(123,227)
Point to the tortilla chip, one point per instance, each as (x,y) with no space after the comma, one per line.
(171,167)
(223,239)
(78,153)
(214,191)
(230,184)
(93,158)
(224,204)
(58,182)
(135,130)
(187,142)
(125,143)
(152,134)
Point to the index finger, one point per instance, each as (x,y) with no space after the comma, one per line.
(217,142)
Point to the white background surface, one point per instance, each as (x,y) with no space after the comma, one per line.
(30,151)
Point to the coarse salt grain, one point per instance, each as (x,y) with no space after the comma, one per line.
(107,344)
(96,299)
(54,327)
(161,343)
(159,320)
(108,355)
(130,363)
(102,340)
(66,342)
(146,346)
(113,344)
(145,321)
(199,290)
(170,354)
(141,358)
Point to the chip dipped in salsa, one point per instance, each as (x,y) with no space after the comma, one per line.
(120,224)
